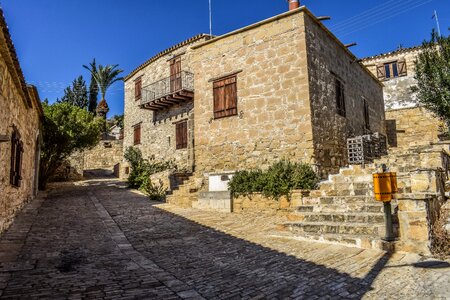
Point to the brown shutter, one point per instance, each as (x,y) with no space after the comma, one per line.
(175,74)
(381,72)
(138,89)
(401,68)
(225,97)
(137,134)
(12,173)
(181,135)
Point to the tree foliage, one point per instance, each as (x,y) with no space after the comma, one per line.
(105,76)
(76,94)
(116,120)
(433,76)
(93,88)
(66,129)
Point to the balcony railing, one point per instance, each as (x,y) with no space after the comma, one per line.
(169,91)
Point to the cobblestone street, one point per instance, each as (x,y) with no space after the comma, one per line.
(96,239)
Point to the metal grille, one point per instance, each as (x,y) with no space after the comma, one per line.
(365,148)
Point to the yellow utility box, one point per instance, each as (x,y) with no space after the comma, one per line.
(384,186)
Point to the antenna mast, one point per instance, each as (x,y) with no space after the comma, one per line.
(437,23)
(210,19)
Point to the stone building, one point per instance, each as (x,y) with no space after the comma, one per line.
(407,123)
(159,102)
(20,119)
(284,87)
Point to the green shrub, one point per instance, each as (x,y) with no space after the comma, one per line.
(155,192)
(141,168)
(279,179)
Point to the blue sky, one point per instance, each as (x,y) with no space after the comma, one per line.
(54,38)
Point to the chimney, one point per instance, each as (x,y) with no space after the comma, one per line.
(294,4)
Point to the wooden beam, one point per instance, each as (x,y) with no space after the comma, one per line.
(4,138)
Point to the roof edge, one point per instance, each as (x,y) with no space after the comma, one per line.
(166,51)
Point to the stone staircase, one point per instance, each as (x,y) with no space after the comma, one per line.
(343,210)
(182,192)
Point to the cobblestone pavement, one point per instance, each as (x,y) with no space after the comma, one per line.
(96,239)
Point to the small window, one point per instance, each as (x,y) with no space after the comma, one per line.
(181,135)
(225,97)
(340,97)
(391,70)
(16,159)
(366,115)
(138,89)
(137,134)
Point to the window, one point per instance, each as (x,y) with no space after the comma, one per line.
(366,115)
(340,97)
(391,70)
(137,134)
(181,135)
(225,97)
(138,88)
(16,159)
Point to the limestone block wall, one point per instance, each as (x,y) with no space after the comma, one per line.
(158,138)
(328,59)
(273,118)
(257,202)
(104,156)
(412,126)
(397,91)
(13,111)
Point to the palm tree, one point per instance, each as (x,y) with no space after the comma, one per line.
(105,76)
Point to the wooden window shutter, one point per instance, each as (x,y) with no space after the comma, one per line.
(138,89)
(340,97)
(137,134)
(381,72)
(225,97)
(12,173)
(401,65)
(366,115)
(181,135)
(16,159)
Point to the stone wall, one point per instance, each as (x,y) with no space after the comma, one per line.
(158,139)
(273,118)
(412,126)
(15,111)
(99,160)
(257,202)
(397,91)
(329,60)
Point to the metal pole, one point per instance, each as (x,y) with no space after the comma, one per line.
(210,18)
(388,218)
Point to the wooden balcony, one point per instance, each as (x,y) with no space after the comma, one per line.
(173,90)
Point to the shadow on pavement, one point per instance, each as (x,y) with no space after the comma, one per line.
(217,264)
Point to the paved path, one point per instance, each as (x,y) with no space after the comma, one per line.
(99,240)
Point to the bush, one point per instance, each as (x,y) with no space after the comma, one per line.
(280,179)
(155,192)
(142,169)
(440,244)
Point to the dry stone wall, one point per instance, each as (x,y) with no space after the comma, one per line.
(15,112)
(328,60)
(412,127)
(273,118)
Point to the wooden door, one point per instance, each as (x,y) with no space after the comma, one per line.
(175,74)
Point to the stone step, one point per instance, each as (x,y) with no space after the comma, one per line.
(359,229)
(342,208)
(364,242)
(335,217)
(341,200)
